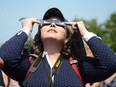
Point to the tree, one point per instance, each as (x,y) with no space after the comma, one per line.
(29,42)
(110,29)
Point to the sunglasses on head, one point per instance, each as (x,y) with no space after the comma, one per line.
(50,21)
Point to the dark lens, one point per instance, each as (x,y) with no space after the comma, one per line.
(61,24)
(57,22)
(45,22)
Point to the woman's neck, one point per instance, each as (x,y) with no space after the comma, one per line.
(53,51)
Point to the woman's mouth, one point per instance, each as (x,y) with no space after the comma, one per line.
(52,30)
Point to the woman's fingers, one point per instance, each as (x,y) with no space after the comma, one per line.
(35,20)
(32,20)
(82,28)
(73,25)
(29,22)
(80,25)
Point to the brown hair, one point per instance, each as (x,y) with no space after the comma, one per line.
(38,45)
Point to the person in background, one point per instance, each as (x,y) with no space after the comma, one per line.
(110,82)
(52,45)
(4,79)
(13,83)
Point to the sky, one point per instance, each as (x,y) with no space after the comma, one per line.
(12,10)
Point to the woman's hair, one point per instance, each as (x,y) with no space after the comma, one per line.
(38,45)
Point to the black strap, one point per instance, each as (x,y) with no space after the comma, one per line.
(36,64)
(33,68)
(49,74)
(52,72)
(57,65)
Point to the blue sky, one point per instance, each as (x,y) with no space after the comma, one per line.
(12,10)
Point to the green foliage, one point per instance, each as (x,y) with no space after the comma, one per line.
(107,30)
(110,26)
(29,42)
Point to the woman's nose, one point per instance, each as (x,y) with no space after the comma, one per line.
(53,24)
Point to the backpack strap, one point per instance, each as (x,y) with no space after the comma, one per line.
(74,66)
(35,64)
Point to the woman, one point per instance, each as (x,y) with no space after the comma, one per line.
(52,46)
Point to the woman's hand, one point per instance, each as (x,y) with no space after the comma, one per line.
(80,25)
(29,22)
(1,62)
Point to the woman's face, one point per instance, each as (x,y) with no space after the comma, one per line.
(53,32)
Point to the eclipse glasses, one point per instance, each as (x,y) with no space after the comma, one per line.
(55,21)
(50,21)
